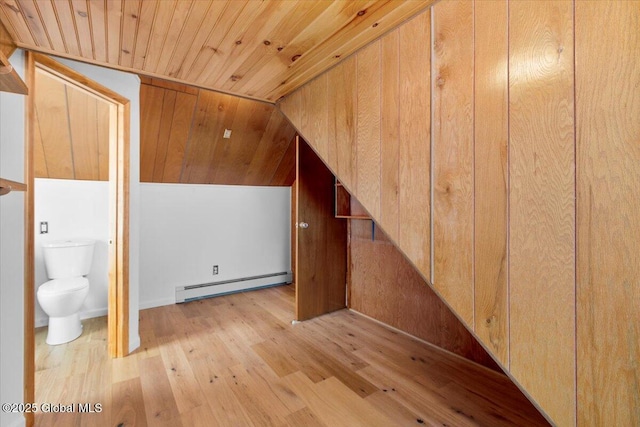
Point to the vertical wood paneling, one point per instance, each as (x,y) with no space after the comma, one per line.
(608,212)
(39,159)
(180,126)
(273,144)
(102,130)
(51,110)
(491,176)
(389,135)
(182,137)
(385,286)
(164,134)
(368,127)
(233,157)
(453,155)
(213,114)
(285,174)
(341,150)
(149,129)
(317,114)
(81,109)
(71,132)
(415,142)
(542,204)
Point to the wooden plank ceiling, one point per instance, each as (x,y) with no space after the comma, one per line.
(256,49)
(182,138)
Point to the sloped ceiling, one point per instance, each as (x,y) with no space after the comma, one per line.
(257,49)
(182,138)
(71,131)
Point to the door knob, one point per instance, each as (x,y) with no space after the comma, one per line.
(303,225)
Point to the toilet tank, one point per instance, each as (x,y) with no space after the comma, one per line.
(68,258)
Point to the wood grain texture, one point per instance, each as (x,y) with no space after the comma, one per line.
(390,135)
(262,51)
(368,159)
(491,176)
(72,131)
(608,213)
(385,286)
(182,138)
(83,126)
(51,111)
(341,150)
(285,174)
(542,205)
(321,258)
(337,370)
(7,46)
(29,347)
(415,142)
(453,156)
(10,81)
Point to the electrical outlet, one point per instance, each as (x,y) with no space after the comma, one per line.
(215,269)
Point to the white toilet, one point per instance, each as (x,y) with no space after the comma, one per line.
(67,263)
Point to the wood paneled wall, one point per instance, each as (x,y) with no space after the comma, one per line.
(71,131)
(182,138)
(509,164)
(385,286)
(607,84)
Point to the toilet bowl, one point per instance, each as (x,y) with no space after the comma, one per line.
(67,262)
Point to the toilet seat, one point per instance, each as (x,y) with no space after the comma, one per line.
(63,286)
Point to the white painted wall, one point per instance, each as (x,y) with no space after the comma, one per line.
(186,229)
(72,209)
(127,85)
(12,250)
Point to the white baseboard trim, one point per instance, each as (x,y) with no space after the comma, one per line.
(89,314)
(156,303)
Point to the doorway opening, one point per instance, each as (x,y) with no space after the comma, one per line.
(114,169)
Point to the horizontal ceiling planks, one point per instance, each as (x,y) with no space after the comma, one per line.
(260,50)
(182,138)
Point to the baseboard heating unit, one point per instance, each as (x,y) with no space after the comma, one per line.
(206,290)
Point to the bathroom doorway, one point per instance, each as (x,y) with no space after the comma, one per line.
(103,157)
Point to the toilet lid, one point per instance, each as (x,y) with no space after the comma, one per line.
(62,286)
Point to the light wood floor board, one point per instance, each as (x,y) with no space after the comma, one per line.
(237,360)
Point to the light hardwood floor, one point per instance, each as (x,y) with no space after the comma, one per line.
(237,360)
